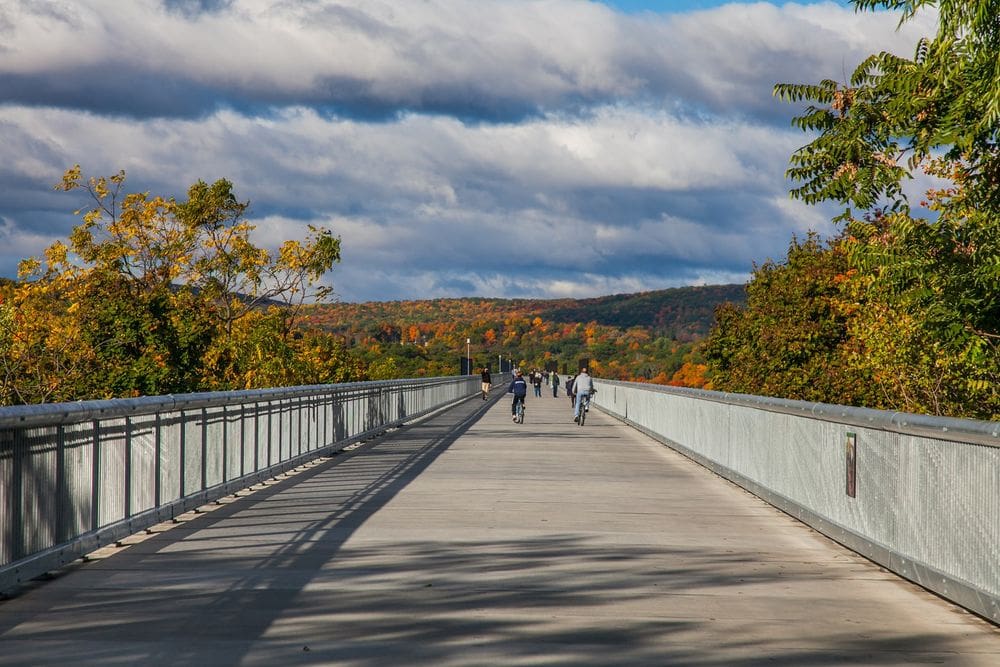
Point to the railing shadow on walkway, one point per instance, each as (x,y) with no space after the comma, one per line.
(378,478)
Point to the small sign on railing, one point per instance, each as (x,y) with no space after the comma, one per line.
(851,459)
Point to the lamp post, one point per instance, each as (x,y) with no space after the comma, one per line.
(468,355)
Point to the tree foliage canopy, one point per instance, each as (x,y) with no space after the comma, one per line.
(920,305)
(791,339)
(150,295)
(942,102)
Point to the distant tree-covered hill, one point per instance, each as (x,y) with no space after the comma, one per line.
(645,336)
(682,312)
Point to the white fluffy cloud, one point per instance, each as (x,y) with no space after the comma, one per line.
(459,147)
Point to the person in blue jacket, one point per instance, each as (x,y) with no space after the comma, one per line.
(518,387)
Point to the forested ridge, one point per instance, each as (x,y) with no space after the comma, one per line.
(648,336)
(684,313)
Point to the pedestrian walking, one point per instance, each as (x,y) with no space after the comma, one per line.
(487,382)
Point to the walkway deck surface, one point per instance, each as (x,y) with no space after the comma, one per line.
(489,543)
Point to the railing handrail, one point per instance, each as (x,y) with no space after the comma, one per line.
(954,429)
(54,414)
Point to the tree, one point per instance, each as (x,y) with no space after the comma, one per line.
(790,340)
(946,99)
(689,375)
(151,295)
(43,352)
(930,330)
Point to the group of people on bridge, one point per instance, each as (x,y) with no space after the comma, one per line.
(579,388)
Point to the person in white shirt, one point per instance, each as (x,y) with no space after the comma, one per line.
(583,385)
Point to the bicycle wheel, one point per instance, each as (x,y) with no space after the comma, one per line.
(583,413)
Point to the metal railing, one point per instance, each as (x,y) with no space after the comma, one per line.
(76,476)
(919,495)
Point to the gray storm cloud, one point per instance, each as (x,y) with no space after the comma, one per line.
(468,58)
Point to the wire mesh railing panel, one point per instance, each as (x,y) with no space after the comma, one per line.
(110,477)
(77,510)
(920,495)
(38,488)
(171,432)
(75,475)
(143,467)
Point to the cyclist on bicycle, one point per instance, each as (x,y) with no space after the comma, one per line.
(583,386)
(518,387)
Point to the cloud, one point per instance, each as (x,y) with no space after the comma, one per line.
(472,59)
(638,197)
(499,148)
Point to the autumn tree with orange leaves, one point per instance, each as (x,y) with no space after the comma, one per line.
(150,295)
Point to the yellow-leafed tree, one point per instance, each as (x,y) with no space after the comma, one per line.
(151,296)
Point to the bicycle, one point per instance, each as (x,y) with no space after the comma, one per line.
(585,406)
(519,412)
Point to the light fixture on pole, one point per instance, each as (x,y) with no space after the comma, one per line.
(468,355)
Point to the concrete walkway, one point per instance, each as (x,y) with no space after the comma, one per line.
(489,543)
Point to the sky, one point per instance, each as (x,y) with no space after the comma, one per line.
(495,148)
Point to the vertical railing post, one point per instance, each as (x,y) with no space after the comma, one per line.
(300,421)
(311,425)
(243,440)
